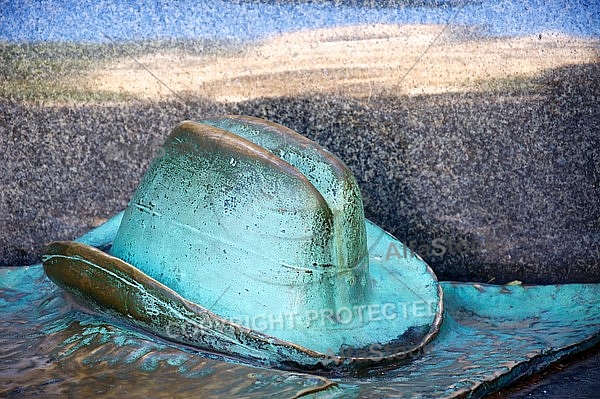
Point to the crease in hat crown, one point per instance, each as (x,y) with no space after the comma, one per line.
(249,239)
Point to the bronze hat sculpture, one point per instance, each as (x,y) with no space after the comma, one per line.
(247,239)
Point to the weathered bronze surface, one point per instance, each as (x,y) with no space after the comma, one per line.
(256,247)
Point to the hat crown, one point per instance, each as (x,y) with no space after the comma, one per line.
(327,173)
(261,218)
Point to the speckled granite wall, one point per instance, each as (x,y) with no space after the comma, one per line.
(483,143)
(519,178)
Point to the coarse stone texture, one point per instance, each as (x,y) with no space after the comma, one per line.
(516,171)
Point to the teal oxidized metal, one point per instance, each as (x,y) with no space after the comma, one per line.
(247,239)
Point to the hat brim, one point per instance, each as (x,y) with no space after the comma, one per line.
(491,335)
(402,315)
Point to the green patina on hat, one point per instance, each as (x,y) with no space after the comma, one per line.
(247,239)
